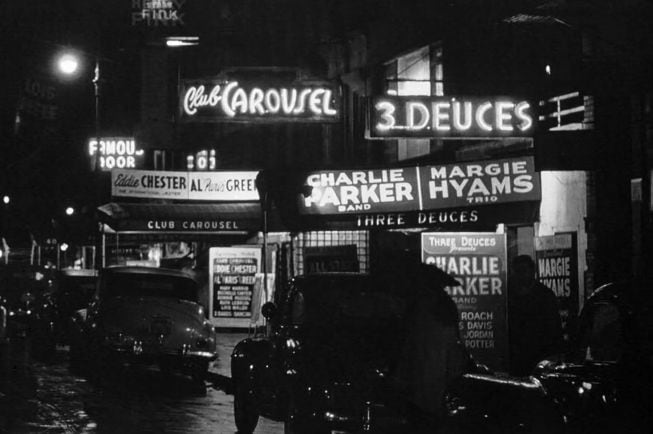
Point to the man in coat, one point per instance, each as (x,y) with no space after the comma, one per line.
(533,318)
(432,355)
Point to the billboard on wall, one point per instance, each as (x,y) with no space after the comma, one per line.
(557,268)
(478,261)
(244,100)
(208,186)
(235,282)
(422,195)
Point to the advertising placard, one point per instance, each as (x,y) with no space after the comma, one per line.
(458,117)
(233,275)
(361,191)
(228,186)
(477,183)
(557,268)
(478,261)
(209,186)
(391,197)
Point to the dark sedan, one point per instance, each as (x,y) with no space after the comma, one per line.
(325,367)
(143,315)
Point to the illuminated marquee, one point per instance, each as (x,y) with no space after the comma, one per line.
(115,153)
(233,101)
(457,117)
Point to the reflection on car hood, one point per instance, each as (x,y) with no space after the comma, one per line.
(346,355)
(129,313)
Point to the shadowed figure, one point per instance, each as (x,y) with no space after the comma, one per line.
(432,355)
(533,318)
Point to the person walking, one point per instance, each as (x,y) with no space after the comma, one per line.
(534,324)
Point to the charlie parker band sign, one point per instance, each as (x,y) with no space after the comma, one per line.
(461,187)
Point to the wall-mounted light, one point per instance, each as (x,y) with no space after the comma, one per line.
(182,41)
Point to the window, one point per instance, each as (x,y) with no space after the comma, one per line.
(160,160)
(420,72)
(331,238)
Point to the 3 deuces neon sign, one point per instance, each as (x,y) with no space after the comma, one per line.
(458,117)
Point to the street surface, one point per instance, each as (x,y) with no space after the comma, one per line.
(40,397)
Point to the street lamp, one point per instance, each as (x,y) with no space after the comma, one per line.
(6,199)
(68,64)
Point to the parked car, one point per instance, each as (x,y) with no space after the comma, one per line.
(604,385)
(142,315)
(325,366)
(74,291)
(26,295)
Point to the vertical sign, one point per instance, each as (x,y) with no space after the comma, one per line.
(478,262)
(557,269)
(232,275)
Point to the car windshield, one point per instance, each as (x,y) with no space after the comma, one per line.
(345,303)
(150,285)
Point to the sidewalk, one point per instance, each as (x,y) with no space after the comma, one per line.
(220,369)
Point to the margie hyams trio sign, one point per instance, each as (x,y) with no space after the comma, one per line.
(421,188)
(457,117)
(240,101)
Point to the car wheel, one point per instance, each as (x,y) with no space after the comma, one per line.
(245,411)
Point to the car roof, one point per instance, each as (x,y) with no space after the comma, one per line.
(146,270)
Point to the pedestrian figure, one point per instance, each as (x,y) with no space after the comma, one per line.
(432,355)
(533,318)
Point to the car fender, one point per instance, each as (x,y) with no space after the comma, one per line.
(247,358)
(501,404)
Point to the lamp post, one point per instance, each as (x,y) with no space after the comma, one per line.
(68,66)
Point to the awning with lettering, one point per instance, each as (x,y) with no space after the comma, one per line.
(228,218)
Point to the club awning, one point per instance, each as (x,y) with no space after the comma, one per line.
(228,218)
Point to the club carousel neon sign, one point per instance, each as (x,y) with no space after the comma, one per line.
(457,117)
(233,101)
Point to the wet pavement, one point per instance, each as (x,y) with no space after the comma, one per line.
(46,397)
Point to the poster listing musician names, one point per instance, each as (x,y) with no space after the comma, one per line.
(233,273)
(478,261)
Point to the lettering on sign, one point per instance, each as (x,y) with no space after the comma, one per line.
(192,225)
(115,152)
(231,100)
(556,259)
(460,117)
(478,261)
(212,186)
(387,192)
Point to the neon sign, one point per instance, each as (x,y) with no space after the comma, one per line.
(233,101)
(456,117)
(115,153)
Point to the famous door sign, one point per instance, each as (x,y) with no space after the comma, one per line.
(478,261)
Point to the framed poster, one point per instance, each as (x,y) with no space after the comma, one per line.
(478,261)
(556,260)
(233,281)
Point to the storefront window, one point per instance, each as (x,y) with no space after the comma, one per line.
(358,240)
